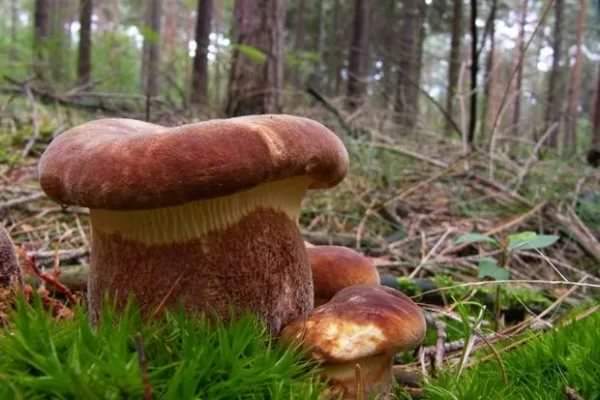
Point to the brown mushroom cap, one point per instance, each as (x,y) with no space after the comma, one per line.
(202,215)
(335,268)
(356,335)
(129,164)
(360,321)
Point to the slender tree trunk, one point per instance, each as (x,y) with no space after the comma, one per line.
(359,55)
(388,41)
(336,50)
(316,75)
(200,72)
(84,60)
(486,118)
(553,102)
(58,39)
(41,32)
(593,155)
(454,64)
(151,49)
(254,84)
(473,81)
(520,66)
(406,104)
(570,137)
(299,34)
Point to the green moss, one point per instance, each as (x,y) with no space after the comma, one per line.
(567,358)
(186,358)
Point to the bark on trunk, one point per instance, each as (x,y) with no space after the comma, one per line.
(572,113)
(593,155)
(299,38)
(359,55)
(151,49)
(41,31)
(454,62)
(473,81)
(59,39)
(487,120)
(406,105)
(336,63)
(84,61)
(520,66)
(200,72)
(553,102)
(256,79)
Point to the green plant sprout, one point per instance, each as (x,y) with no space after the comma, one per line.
(497,268)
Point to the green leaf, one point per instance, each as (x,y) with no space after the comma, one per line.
(488,267)
(468,238)
(254,54)
(530,241)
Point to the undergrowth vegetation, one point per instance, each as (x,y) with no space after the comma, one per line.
(555,365)
(125,358)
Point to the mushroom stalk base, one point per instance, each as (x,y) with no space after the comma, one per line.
(252,261)
(371,375)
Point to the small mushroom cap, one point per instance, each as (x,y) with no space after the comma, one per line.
(130,164)
(335,268)
(360,321)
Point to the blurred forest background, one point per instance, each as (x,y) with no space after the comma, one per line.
(498,73)
(460,117)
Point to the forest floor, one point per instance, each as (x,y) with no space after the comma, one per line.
(406,203)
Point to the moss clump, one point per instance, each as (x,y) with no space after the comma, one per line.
(566,359)
(185,358)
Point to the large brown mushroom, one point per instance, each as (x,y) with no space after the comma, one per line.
(203,214)
(335,268)
(356,335)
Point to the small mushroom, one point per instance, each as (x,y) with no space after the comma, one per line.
(355,337)
(10,273)
(203,215)
(335,268)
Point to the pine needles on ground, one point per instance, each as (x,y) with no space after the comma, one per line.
(183,358)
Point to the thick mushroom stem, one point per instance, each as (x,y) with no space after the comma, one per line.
(241,252)
(368,375)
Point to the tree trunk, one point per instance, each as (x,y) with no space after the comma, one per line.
(59,39)
(84,61)
(299,39)
(359,55)
(487,119)
(200,72)
(406,105)
(593,155)
(316,75)
(553,102)
(41,32)
(388,40)
(454,62)
(256,79)
(151,49)
(336,53)
(473,81)
(520,64)
(572,113)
